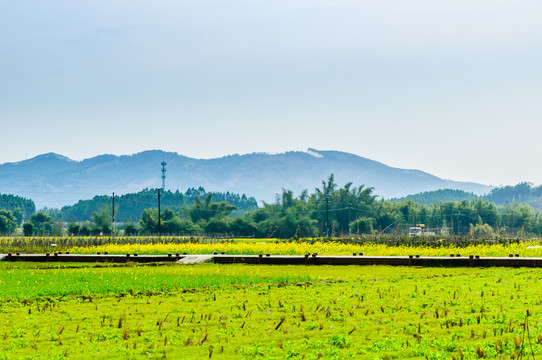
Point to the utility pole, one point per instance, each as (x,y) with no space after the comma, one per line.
(159,220)
(349,231)
(327,216)
(441,220)
(458,224)
(113,217)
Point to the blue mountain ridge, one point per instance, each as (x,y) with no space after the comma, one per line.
(53,180)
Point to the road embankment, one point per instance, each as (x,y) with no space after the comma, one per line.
(309,259)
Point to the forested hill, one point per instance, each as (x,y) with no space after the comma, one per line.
(525,193)
(26,207)
(128,207)
(430,197)
(53,180)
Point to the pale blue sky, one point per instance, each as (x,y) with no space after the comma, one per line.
(453,88)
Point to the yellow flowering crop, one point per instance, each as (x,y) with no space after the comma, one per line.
(170,244)
(528,249)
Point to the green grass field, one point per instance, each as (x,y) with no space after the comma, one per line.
(268,312)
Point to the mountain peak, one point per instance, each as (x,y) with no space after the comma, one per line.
(51,156)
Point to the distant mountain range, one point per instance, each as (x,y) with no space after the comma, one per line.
(53,180)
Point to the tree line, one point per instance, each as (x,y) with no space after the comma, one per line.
(524,192)
(22,208)
(330,210)
(129,207)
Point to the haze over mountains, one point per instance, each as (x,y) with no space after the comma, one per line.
(53,180)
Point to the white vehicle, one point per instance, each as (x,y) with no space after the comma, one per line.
(419,230)
(415,231)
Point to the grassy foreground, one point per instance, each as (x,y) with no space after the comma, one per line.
(265,312)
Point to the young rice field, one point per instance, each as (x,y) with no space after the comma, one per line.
(53,311)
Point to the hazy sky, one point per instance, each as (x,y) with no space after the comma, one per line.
(453,88)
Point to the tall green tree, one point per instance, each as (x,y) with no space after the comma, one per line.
(324,200)
(102,221)
(149,222)
(206,209)
(42,224)
(8,222)
(13,202)
(351,203)
(170,223)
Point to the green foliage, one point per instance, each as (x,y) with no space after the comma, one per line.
(25,207)
(74,229)
(58,229)
(481,230)
(204,215)
(335,209)
(287,217)
(507,194)
(430,197)
(81,229)
(130,229)
(149,221)
(523,193)
(362,225)
(28,229)
(130,206)
(217,226)
(206,209)
(170,223)
(8,222)
(102,222)
(338,211)
(329,211)
(18,214)
(243,226)
(43,224)
(187,227)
